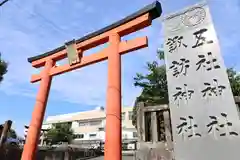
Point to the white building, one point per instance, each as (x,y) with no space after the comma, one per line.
(90,125)
(42,134)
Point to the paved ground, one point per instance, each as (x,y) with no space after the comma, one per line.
(123,158)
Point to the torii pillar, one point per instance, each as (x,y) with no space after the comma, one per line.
(74,50)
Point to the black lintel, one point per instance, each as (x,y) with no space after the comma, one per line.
(154,9)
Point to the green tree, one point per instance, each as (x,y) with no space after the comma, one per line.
(154,84)
(234,79)
(61,132)
(12,133)
(3,68)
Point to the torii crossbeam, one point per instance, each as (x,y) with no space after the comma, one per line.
(74,50)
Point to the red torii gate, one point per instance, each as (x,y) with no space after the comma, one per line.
(74,51)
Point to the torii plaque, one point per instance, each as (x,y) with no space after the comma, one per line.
(75,52)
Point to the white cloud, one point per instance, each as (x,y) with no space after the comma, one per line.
(226,11)
(83,86)
(87,85)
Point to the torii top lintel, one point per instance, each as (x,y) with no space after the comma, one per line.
(131,23)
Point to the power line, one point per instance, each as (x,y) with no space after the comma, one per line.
(44,18)
(2,3)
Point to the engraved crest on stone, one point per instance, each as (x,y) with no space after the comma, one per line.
(175,24)
(193,17)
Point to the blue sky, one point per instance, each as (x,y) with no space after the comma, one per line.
(29,28)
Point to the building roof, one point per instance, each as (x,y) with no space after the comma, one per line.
(97,113)
(92,114)
(127,109)
(153,9)
(26,127)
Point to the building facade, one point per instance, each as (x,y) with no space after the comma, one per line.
(42,134)
(90,125)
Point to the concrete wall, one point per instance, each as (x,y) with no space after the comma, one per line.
(13,153)
(126,120)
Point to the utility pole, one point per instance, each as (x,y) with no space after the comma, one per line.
(3,2)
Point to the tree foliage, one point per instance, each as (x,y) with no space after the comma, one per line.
(60,132)
(154,84)
(3,68)
(12,134)
(234,79)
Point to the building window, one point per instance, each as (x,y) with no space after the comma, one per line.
(80,136)
(95,123)
(101,129)
(124,136)
(135,134)
(82,123)
(123,116)
(130,115)
(92,135)
(62,124)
